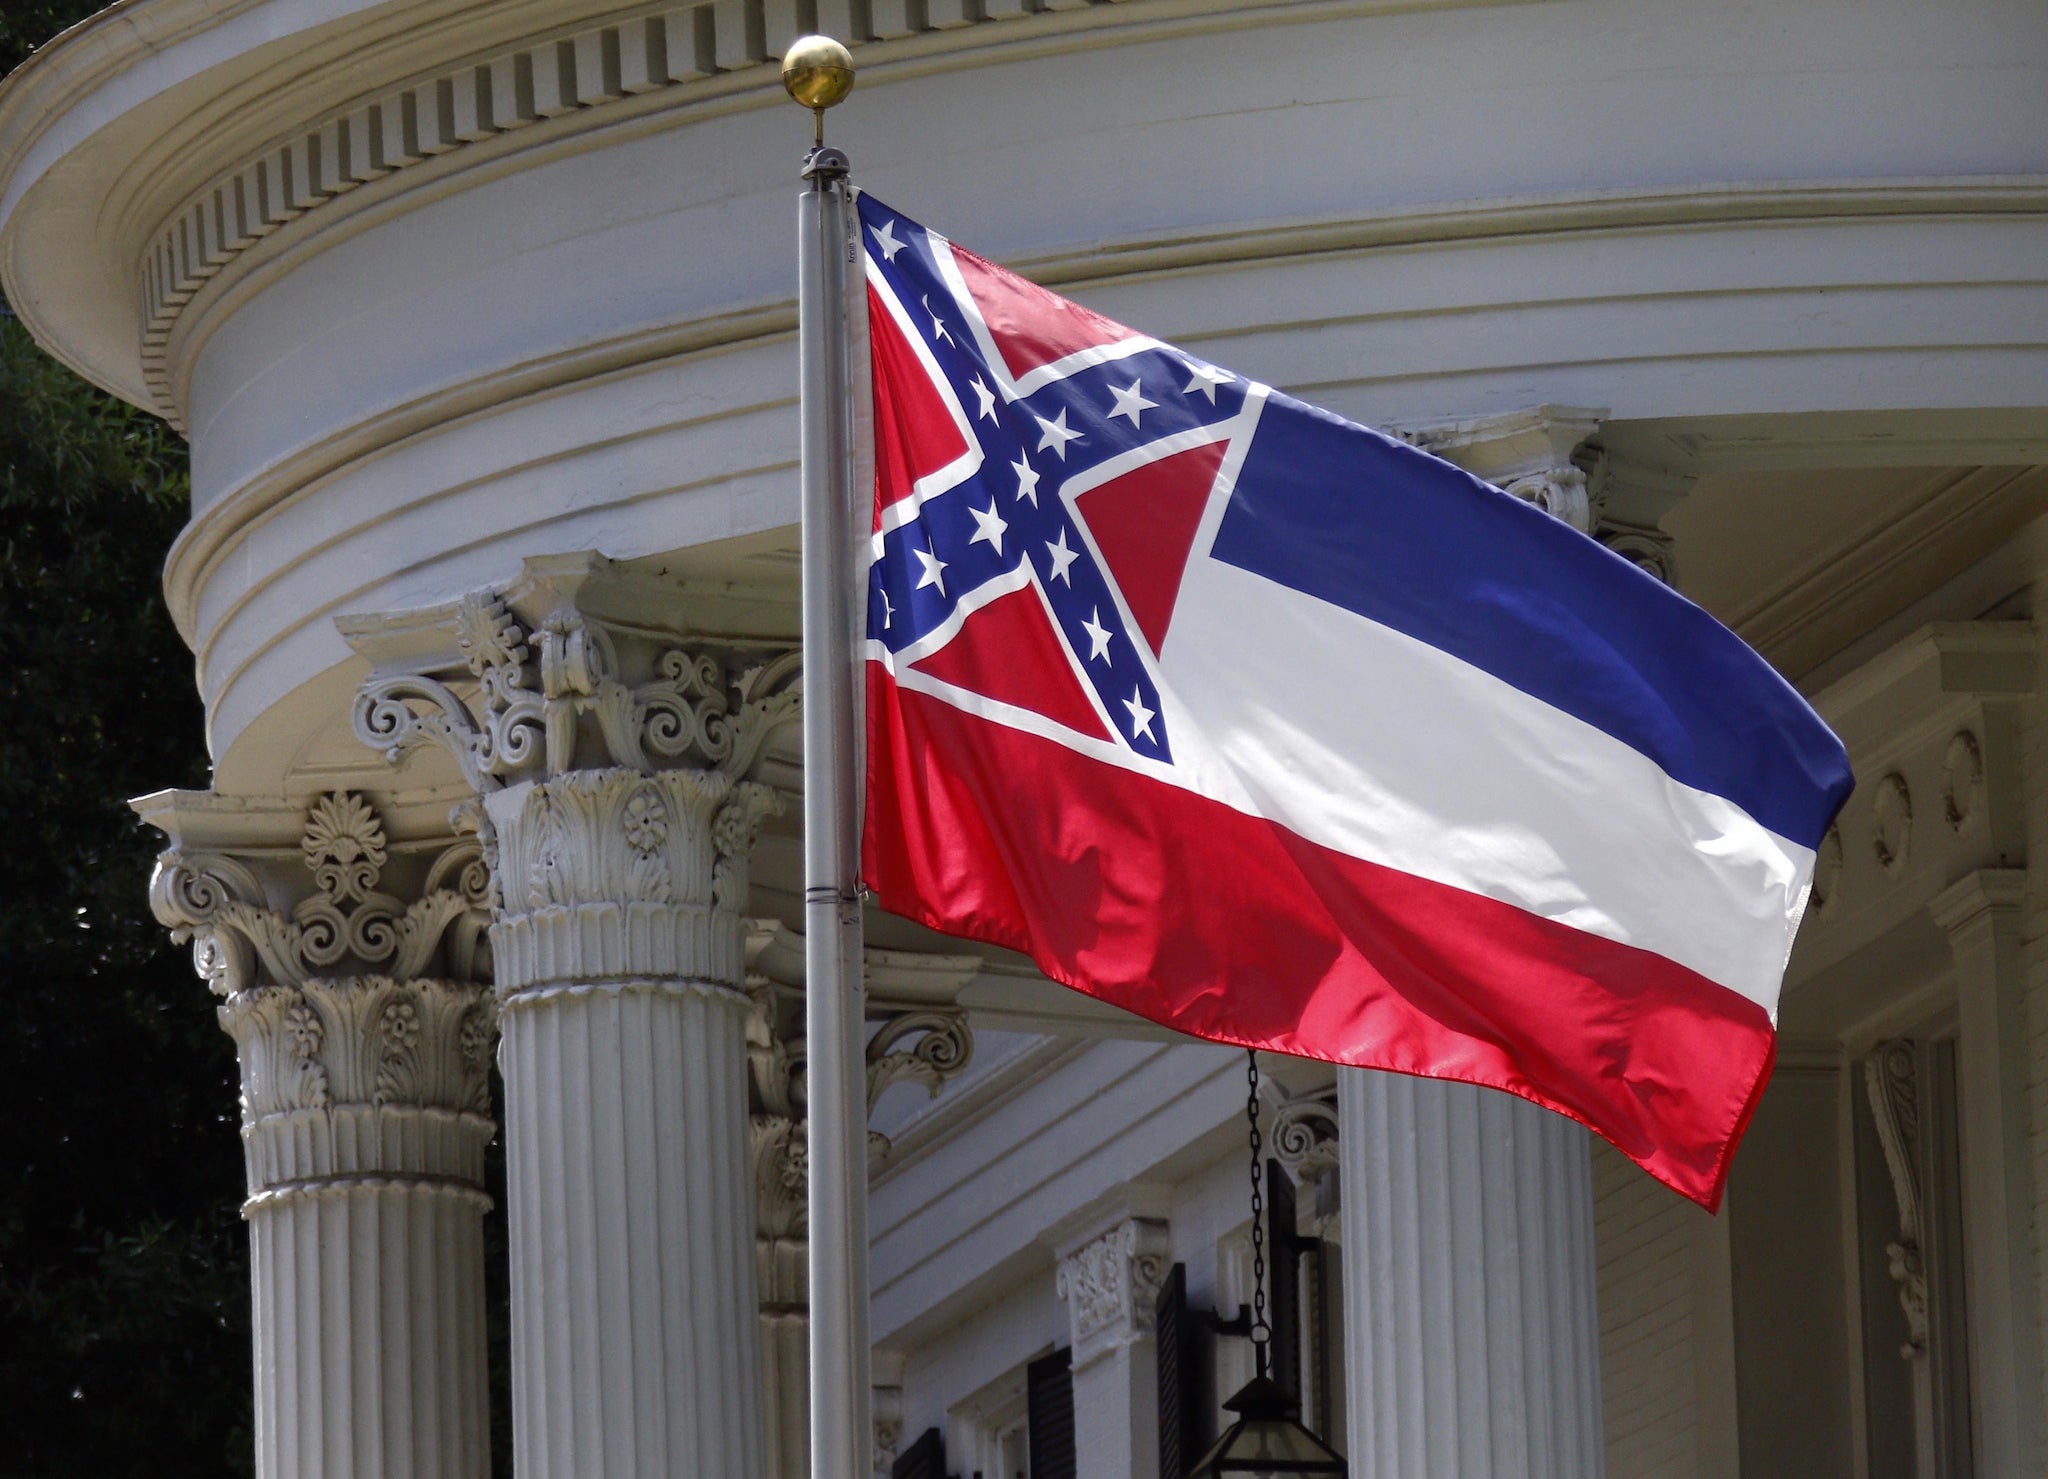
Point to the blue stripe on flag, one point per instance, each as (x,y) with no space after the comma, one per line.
(1407,540)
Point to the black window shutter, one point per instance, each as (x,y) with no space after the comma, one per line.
(1283,1278)
(924,1459)
(1049,1413)
(1183,1384)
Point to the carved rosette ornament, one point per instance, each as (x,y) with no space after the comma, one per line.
(1111,1286)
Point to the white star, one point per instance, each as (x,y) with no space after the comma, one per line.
(1098,636)
(939,324)
(1141,717)
(888,612)
(988,526)
(1056,434)
(1131,403)
(1062,557)
(933,565)
(885,238)
(987,398)
(1206,379)
(1027,480)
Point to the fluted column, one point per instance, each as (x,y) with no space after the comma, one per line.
(365,1113)
(620,966)
(615,769)
(1471,1332)
(365,1217)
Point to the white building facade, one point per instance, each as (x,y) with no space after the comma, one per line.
(480,320)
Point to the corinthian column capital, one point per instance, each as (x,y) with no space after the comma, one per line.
(558,687)
(353,975)
(255,914)
(619,774)
(1551,456)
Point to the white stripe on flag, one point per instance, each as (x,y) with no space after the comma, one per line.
(1372,743)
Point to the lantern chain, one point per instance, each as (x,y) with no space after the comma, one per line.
(1262,1330)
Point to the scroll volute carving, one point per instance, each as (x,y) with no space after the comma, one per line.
(344,924)
(775,1064)
(551,699)
(923,1046)
(1891,1079)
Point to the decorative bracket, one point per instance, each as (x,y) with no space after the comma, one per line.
(1545,456)
(1891,1078)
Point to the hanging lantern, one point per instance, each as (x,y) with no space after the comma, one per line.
(1267,1438)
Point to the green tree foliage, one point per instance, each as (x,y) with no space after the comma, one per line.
(123,1271)
(124,1280)
(124,1341)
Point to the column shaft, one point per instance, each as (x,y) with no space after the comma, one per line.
(1471,1328)
(629,1162)
(369,1322)
(1110,1278)
(629,1189)
(364,1137)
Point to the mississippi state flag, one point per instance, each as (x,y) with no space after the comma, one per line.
(1277,731)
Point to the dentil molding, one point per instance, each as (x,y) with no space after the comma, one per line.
(700,49)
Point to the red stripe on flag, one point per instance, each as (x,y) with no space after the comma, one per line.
(1230,928)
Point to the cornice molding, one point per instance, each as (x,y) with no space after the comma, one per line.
(691,54)
(216,530)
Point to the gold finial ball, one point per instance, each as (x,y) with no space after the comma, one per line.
(818,71)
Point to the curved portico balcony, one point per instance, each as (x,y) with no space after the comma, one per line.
(436,287)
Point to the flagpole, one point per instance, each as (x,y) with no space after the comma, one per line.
(818,73)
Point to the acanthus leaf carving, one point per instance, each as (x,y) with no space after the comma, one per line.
(362,1040)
